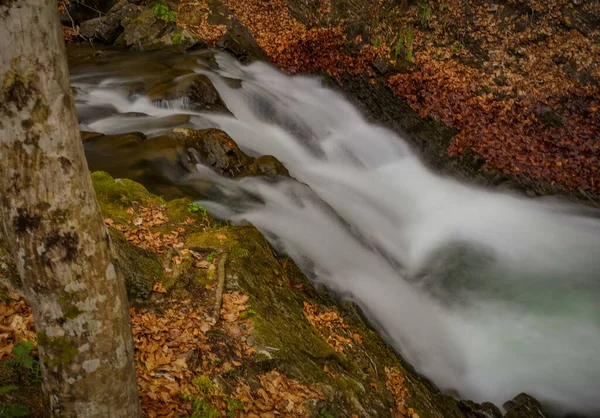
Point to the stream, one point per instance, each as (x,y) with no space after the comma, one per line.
(485,293)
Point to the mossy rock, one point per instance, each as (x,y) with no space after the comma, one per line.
(147,32)
(141,269)
(116,195)
(165,162)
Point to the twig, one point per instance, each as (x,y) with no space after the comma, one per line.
(373,364)
(65,6)
(220,287)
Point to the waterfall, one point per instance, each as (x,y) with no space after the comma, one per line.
(486,293)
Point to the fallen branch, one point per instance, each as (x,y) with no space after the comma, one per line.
(220,287)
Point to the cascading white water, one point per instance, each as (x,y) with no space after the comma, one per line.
(485,293)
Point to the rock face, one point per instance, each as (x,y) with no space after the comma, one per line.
(523,406)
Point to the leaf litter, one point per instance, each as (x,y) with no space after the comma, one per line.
(187,363)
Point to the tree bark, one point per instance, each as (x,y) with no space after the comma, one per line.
(53,223)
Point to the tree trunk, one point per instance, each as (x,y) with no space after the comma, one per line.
(52,220)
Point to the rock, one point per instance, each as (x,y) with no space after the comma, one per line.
(163,162)
(89,135)
(240,42)
(584,17)
(304,11)
(523,406)
(147,32)
(269,166)
(381,65)
(83,10)
(475,410)
(140,268)
(106,29)
(197,87)
(213,148)
(205,95)
(98,29)
(216,14)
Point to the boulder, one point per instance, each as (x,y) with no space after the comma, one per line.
(149,32)
(106,29)
(140,268)
(267,165)
(197,87)
(240,42)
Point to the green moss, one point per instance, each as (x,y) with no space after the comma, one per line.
(58,350)
(70,311)
(115,196)
(204,385)
(163,12)
(140,268)
(176,39)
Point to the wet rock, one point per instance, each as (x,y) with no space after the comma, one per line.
(106,29)
(523,406)
(147,32)
(89,135)
(164,161)
(197,87)
(267,165)
(240,42)
(213,148)
(205,96)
